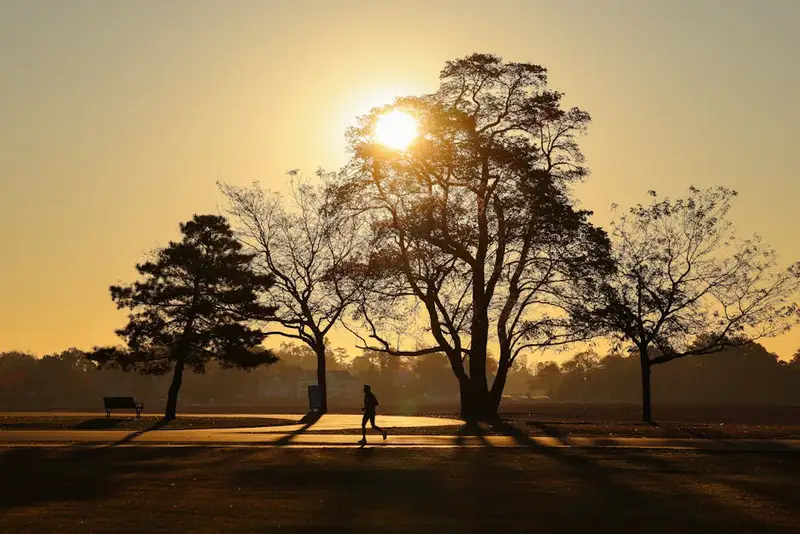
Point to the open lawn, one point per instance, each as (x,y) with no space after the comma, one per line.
(182,489)
(529,418)
(44,421)
(565,429)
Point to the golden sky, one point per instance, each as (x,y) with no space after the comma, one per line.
(117,118)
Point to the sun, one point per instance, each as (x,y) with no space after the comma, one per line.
(396,129)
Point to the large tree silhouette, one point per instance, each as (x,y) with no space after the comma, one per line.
(196,300)
(304,244)
(473,225)
(684,284)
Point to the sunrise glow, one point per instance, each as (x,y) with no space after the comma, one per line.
(396,129)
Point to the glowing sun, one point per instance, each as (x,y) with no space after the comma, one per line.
(396,129)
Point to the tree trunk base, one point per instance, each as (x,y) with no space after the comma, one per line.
(647,402)
(477,404)
(485,415)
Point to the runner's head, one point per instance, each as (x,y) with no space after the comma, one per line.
(367,389)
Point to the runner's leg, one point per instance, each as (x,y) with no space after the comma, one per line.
(376,427)
(364,420)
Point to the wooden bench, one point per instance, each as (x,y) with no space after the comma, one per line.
(122,403)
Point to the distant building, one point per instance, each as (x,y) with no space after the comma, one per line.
(341,384)
(274,387)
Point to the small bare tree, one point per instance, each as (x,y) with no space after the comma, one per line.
(685,285)
(305,245)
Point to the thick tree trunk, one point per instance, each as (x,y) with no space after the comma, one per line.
(476,402)
(478,347)
(647,414)
(174,388)
(469,401)
(322,380)
(466,400)
(499,384)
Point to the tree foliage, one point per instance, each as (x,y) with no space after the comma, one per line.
(685,285)
(474,227)
(197,300)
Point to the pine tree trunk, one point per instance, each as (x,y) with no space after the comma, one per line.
(174,388)
(322,380)
(647,415)
(181,352)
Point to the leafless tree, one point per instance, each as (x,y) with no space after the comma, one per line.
(685,285)
(305,242)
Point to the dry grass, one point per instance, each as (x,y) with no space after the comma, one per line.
(153,489)
(45,422)
(534,427)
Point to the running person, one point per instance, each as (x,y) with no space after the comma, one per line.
(370,403)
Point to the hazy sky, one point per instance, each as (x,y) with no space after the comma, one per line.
(117,118)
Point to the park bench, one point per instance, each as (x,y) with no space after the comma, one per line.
(122,403)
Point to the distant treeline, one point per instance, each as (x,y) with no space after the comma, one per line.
(69,381)
(740,375)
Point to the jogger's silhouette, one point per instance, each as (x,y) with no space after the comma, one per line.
(370,403)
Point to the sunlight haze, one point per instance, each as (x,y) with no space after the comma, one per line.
(119,117)
(396,129)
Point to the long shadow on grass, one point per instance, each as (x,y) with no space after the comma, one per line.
(99,423)
(650,471)
(307,421)
(161,423)
(339,489)
(474,490)
(41,475)
(766,476)
(471,429)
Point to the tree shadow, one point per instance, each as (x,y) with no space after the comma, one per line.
(726,486)
(606,469)
(564,431)
(351,490)
(161,423)
(547,429)
(476,489)
(522,438)
(101,423)
(472,428)
(79,473)
(307,421)
(705,433)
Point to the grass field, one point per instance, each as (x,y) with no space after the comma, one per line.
(145,422)
(597,429)
(182,489)
(528,417)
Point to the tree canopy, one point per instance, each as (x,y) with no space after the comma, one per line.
(473,225)
(197,300)
(685,285)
